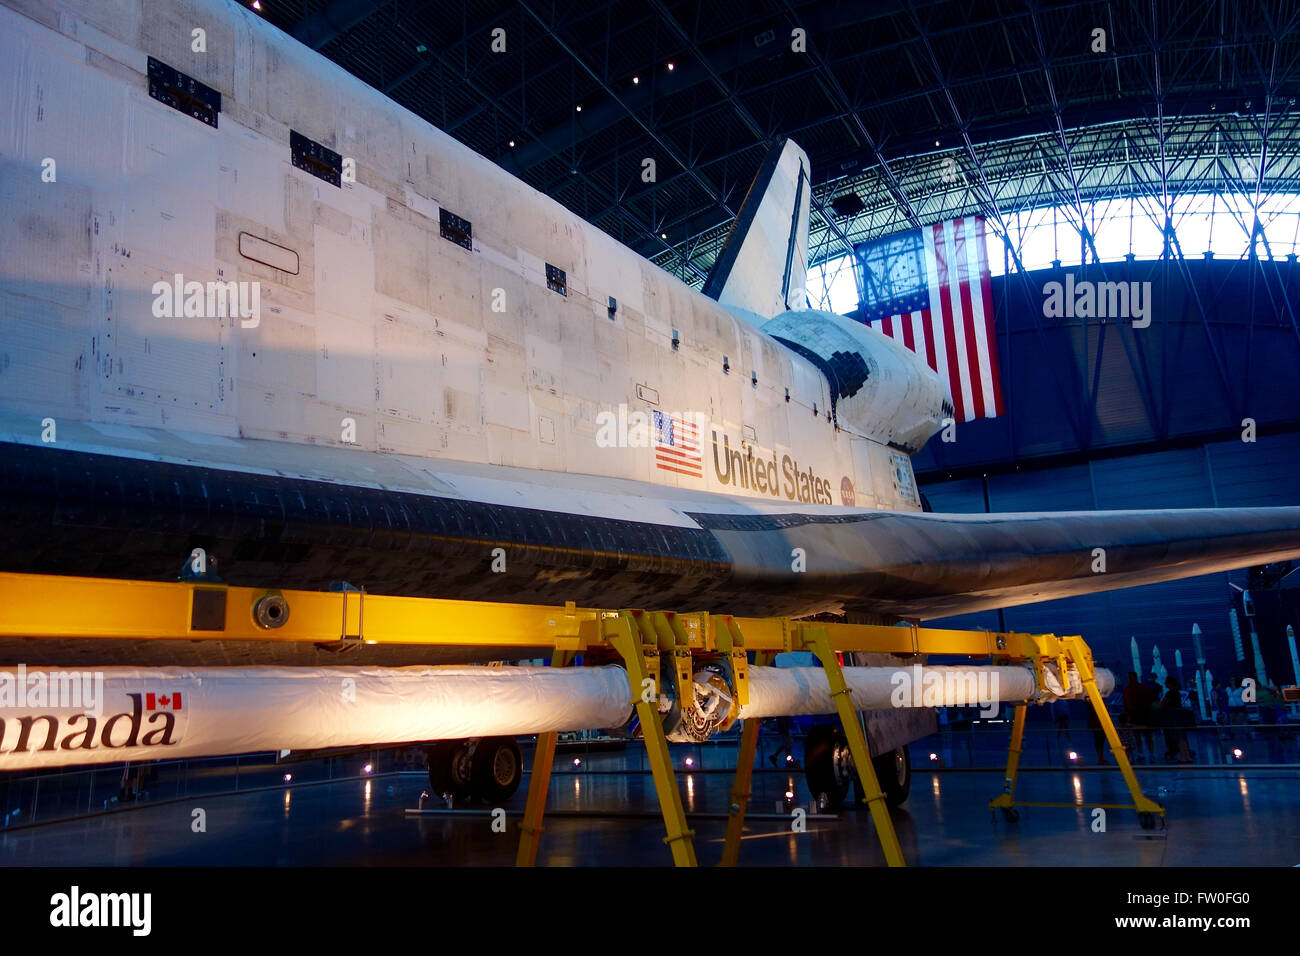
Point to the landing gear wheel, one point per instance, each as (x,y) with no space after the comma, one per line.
(449,769)
(828,765)
(1010,814)
(894,771)
(497,767)
(1147,821)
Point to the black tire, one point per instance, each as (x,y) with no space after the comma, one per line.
(496,769)
(1010,814)
(827,765)
(894,771)
(449,770)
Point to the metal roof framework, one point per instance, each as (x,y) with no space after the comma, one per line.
(924,109)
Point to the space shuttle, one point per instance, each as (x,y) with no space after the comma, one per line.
(251,306)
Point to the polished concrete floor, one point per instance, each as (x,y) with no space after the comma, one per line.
(1249,817)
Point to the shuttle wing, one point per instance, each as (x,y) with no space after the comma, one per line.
(933,565)
(295,516)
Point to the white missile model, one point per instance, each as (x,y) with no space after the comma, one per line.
(251,306)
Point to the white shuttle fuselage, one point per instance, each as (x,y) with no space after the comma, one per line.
(248,304)
(517,336)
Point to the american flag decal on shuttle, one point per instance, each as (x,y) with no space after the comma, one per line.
(929,289)
(677,445)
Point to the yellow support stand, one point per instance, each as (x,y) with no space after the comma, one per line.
(1073,650)
(1007,799)
(1083,661)
(741,787)
(539,785)
(624,634)
(62,607)
(818,641)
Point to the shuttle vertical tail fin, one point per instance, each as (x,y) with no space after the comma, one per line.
(763,266)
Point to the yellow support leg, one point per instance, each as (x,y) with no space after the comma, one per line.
(1007,799)
(742,786)
(624,636)
(539,785)
(1141,802)
(740,793)
(817,641)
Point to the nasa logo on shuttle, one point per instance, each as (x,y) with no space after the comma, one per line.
(846,492)
(742,469)
(139,720)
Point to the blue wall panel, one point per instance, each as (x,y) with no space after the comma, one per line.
(1060,489)
(957,497)
(1222,345)
(1266,472)
(1171,479)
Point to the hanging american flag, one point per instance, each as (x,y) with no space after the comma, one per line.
(929,289)
(677,445)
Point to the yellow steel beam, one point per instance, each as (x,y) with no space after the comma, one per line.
(57,606)
(1082,657)
(742,785)
(626,637)
(33,605)
(731,642)
(1007,798)
(816,640)
(741,791)
(539,785)
(675,641)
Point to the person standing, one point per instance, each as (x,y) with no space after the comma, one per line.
(1152,684)
(1175,719)
(1219,702)
(1137,710)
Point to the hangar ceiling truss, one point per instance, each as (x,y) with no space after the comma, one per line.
(923,110)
